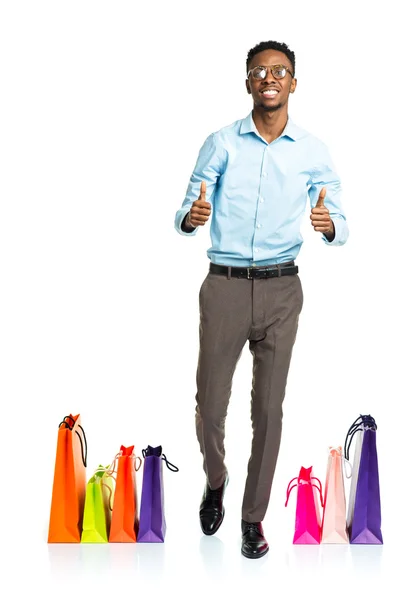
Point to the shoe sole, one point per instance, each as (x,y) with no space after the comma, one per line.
(255,555)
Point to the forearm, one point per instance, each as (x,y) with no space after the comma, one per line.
(209,166)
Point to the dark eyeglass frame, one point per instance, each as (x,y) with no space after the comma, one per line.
(266,68)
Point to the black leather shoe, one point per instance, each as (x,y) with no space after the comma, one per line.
(212,510)
(254,544)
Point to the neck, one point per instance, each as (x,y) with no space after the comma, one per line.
(270,124)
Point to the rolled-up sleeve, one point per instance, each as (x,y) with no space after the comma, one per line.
(324,174)
(209,166)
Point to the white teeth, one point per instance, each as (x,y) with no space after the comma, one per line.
(270,92)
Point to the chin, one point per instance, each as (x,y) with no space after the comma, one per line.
(271,108)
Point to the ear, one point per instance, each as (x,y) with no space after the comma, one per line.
(293,85)
(248,87)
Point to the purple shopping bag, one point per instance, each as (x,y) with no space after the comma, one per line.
(152,525)
(366,524)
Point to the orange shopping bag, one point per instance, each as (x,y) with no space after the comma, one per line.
(69,487)
(125,520)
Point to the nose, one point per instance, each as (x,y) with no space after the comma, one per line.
(269,76)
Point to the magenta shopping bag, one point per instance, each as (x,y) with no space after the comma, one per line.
(308,515)
(152,525)
(365,527)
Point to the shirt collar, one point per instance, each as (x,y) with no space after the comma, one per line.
(291,130)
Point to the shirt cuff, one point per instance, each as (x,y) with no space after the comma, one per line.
(341,232)
(180,216)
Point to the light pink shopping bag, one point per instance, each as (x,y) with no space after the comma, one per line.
(308,516)
(334,530)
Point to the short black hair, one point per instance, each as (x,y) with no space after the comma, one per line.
(271,45)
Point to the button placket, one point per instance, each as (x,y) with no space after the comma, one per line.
(260,200)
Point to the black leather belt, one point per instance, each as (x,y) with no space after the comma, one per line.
(254,272)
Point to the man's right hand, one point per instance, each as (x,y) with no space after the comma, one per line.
(200,210)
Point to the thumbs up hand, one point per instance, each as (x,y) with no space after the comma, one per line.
(320,216)
(200,210)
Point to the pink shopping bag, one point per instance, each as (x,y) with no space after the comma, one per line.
(308,516)
(334,529)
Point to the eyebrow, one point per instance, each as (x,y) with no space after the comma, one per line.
(275,65)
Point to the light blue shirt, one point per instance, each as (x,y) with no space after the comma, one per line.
(258,192)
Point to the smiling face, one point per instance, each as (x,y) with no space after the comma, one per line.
(270,94)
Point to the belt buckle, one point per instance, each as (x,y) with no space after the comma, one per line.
(248,273)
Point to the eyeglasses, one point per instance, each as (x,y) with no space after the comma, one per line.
(277,71)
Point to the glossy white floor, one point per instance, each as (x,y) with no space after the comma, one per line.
(191,564)
(195,565)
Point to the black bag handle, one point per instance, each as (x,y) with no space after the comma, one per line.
(84,450)
(170,466)
(149,452)
(84,455)
(64,422)
(357,426)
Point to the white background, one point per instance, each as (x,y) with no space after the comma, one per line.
(104,106)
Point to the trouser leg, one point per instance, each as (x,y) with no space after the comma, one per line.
(271,360)
(225,321)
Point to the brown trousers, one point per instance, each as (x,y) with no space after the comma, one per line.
(265,312)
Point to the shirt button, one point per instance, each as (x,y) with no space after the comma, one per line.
(264,174)
(259,225)
(261,199)
(256,250)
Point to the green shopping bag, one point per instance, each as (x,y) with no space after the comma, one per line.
(97,512)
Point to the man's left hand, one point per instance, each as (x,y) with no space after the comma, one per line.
(320,217)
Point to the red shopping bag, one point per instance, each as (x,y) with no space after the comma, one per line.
(124,520)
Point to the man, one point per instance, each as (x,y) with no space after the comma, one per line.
(254,178)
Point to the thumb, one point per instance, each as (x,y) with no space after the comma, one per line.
(203,190)
(321,198)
